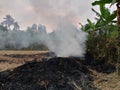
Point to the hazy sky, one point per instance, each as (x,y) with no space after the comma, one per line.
(46,12)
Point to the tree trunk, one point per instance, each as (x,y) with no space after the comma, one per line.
(118,22)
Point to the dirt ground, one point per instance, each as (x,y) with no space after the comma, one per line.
(11,59)
(102,78)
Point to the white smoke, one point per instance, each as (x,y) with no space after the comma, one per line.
(65,40)
(28,12)
(49,11)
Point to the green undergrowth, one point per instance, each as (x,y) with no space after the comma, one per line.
(104,35)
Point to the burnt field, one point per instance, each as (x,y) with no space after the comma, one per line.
(35,70)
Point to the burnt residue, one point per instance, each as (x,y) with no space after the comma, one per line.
(56,73)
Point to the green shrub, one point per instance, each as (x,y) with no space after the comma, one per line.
(103,35)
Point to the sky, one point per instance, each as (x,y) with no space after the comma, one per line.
(47,12)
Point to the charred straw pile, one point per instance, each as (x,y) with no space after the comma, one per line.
(50,74)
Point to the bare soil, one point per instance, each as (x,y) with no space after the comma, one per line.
(35,70)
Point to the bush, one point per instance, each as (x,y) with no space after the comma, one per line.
(101,47)
(104,35)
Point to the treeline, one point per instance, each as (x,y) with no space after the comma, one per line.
(11,37)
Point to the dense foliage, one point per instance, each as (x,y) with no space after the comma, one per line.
(104,34)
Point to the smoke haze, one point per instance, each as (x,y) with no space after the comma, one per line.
(59,17)
(28,12)
(67,40)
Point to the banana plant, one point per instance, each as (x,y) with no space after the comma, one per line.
(109,17)
(104,17)
(105,12)
(105,2)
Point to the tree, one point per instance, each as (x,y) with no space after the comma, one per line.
(8,21)
(41,28)
(2,28)
(34,27)
(16,27)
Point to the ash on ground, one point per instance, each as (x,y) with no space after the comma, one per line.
(54,74)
